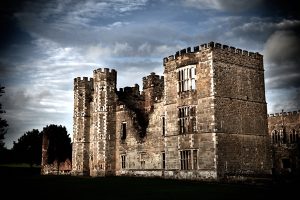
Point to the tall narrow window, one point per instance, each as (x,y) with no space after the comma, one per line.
(123,160)
(163,126)
(123,131)
(142,160)
(195,159)
(193,78)
(163,160)
(275,137)
(293,136)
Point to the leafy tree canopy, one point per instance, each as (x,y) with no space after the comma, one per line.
(59,146)
(28,148)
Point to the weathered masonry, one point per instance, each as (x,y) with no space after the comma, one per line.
(205,119)
(284,131)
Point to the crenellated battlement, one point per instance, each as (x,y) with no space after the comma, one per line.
(152,80)
(212,45)
(284,114)
(82,79)
(105,71)
(135,90)
(105,74)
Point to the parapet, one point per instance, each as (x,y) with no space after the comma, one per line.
(135,90)
(82,80)
(152,80)
(105,74)
(105,71)
(212,45)
(284,114)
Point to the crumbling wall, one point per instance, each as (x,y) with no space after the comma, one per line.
(142,153)
(284,133)
(55,168)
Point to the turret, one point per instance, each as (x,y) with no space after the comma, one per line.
(153,87)
(81,125)
(103,133)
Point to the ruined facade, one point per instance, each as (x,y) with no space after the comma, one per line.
(284,131)
(205,119)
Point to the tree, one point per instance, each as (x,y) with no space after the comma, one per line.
(28,149)
(3,123)
(59,143)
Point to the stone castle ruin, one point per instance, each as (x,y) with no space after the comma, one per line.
(284,131)
(205,119)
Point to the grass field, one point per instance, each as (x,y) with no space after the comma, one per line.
(26,183)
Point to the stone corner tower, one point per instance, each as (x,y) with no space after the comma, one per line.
(153,87)
(81,125)
(103,123)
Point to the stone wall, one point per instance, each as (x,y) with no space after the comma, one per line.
(205,119)
(201,141)
(62,168)
(81,129)
(284,133)
(141,152)
(240,114)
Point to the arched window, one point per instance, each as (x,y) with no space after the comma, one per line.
(293,136)
(275,137)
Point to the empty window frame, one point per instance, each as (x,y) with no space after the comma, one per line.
(195,159)
(123,161)
(186,78)
(163,160)
(187,119)
(286,163)
(293,136)
(275,137)
(123,130)
(163,126)
(142,160)
(185,160)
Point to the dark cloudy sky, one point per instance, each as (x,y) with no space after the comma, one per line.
(45,44)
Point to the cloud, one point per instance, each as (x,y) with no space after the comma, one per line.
(265,8)
(283,62)
(253,32)
(283,99)
(223,5)
(60,40)
(34,107)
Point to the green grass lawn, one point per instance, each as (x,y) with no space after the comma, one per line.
(26,183)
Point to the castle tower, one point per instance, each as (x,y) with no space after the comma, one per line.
(81,125)
(219,106)
(153,87)
(103,133)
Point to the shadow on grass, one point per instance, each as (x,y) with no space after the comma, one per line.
(26,183)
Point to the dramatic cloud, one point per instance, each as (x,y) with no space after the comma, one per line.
(282,54)
(283,70)
(227,5)
(46,44)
